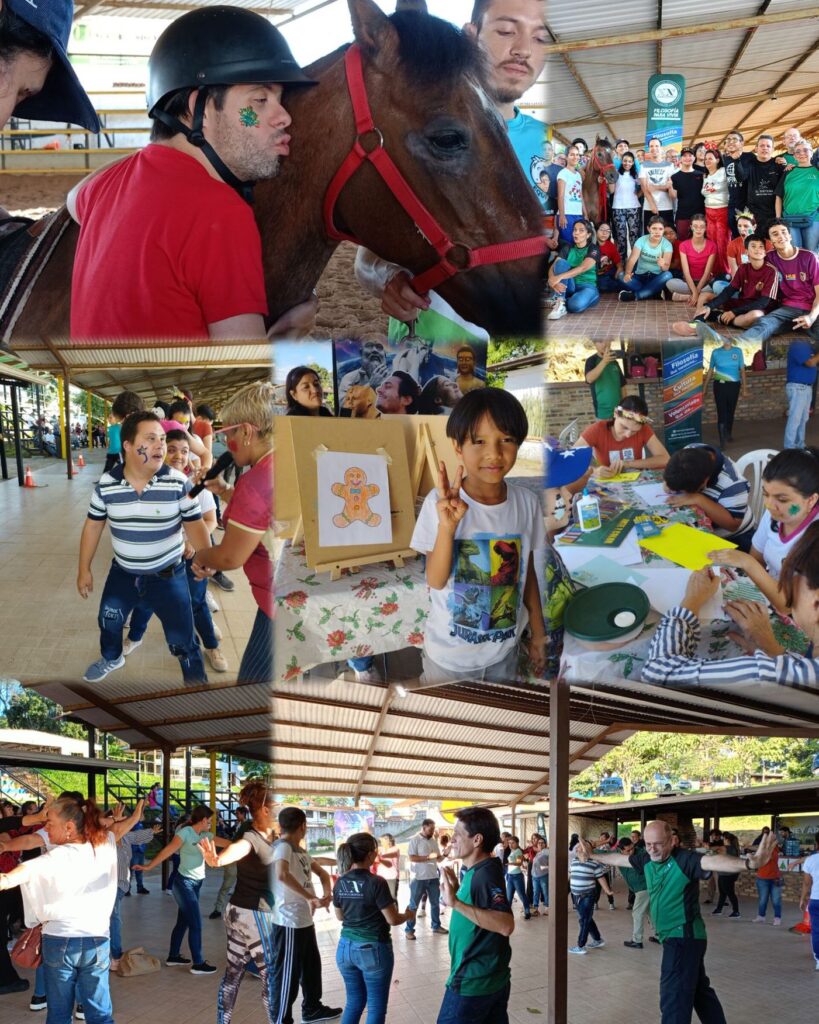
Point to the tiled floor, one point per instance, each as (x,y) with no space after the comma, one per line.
(48,631)
(630,321)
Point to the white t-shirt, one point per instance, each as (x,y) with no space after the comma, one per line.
(206,501)
(71,889)
(419,846)
(625,193)
(811,867)
(573,193)
(657,174)
(476,619)
(772,547)
(289,909)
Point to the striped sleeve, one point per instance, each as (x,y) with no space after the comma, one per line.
(97,508)
(189,508)
(672,662)
(732,492)
(773,291)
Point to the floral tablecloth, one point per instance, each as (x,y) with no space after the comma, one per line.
(378,609)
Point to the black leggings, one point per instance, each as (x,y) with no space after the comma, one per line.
(727,892)
(726,396)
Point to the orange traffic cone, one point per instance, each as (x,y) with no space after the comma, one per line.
(29,480)
(803,928)
(73,467)
(81,462)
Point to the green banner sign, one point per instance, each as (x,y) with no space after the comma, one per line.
(665,109)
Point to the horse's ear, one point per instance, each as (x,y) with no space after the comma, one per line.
(371,27)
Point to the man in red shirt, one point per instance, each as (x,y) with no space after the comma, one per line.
(168,244)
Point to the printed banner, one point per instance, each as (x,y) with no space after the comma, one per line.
(682,393)
(665,109)
(349,823)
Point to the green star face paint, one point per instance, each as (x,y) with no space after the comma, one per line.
(248,118)
(793,510)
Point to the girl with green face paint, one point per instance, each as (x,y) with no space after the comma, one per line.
(790,491)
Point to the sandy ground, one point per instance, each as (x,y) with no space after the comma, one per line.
(344,309)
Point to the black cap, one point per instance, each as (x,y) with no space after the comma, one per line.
(219,46)
(62,98)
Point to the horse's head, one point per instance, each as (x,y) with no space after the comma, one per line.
(601,160)
(423,82)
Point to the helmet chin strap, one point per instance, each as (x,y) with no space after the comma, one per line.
(195,135)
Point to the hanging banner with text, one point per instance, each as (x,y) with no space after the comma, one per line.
(665,109)
(682,393)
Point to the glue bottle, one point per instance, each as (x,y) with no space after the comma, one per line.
(588,512)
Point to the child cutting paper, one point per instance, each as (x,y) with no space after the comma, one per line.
(481,536)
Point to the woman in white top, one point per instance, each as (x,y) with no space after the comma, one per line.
(715,190)
(571,207)
(70,891)
(625,206)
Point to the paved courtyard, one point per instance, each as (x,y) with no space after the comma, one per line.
(48,631)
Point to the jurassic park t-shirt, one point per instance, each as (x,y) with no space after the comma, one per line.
(476,618)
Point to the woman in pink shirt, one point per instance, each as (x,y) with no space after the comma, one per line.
(698,256)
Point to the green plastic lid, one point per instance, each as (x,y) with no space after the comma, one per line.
(606,612)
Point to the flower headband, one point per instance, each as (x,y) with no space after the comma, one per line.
(627,414)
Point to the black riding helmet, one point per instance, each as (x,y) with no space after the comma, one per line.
(216,46)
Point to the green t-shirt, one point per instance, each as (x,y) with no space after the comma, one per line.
(635,878)
(799,190)
(480,959)
(191,861)
(606,389)
(514,866)
(674,893)
(574,256)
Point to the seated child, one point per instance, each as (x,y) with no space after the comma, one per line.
(703,477)
(482,537)
(619,442)
(179,457)
(610,266)
(150,514)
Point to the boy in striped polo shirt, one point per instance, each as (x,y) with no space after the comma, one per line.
(583,873)
(151,515)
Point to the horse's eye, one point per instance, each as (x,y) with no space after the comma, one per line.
(448,143)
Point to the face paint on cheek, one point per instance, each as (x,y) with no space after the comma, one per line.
(233,447)
(143,451)
(793,510)
(248,118)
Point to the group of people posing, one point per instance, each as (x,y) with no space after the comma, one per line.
(732,234)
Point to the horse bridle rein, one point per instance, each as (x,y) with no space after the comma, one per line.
(453,257)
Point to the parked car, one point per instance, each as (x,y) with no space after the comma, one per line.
(685,785)
(610,786)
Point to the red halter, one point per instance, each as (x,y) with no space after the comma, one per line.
(602,186)
(453,257)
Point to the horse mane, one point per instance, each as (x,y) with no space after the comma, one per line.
(604,141)
(432,50)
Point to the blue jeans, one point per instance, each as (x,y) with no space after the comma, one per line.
(646,286)
(804,231)
(813,911)
(579,297)
(777,320)
(584,905)
(116,927)
(202,619)
(165,596)
(257,661)
(540,891)
(186,894)
(432,887)
(77,966)
(172,877)
(516,884)
(367,972)
(769,889)
(567,234)
(608,282)
(362,664)
(137,857)
(799,396)
(491,1009)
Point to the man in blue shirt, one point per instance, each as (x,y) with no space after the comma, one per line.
(800,380)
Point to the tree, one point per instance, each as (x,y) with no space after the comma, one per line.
(29,710)
(326,379)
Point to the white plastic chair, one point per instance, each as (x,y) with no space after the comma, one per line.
(751,466)
(568,435)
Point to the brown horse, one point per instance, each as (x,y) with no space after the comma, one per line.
(423,82)
(595,190)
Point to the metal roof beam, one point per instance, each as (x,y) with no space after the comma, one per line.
(572,68)
(389,697)
(652,35)
(576,756)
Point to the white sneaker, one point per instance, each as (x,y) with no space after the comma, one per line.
(777,921)
(217,632)
(211,601)
(759,920)
(130,645)
(817,965)
(580,950)
(558,312)
(596,943)
(421,913)
(367,675)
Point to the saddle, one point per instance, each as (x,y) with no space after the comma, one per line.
(24,252)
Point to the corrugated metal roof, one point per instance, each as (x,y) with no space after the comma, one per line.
(280,11)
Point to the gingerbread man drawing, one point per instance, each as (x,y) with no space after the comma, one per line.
(356,493)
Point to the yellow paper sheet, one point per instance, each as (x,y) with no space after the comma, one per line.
(685,545)
(621,478)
